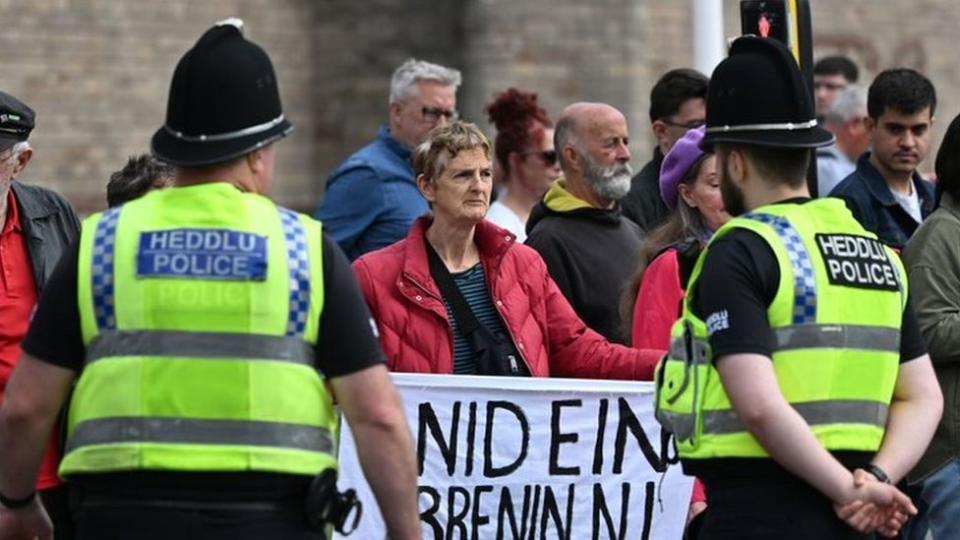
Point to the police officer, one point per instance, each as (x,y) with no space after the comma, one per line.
(800,389)
(210,330)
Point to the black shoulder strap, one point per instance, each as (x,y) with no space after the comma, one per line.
(466,321)
(687,255)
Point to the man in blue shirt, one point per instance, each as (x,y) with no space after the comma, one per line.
(372,198)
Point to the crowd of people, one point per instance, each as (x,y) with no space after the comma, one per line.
(198,335)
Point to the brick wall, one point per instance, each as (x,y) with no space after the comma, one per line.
(358,44)
(97,71)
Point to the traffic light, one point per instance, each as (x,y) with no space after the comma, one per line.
(766,19)
(787,21)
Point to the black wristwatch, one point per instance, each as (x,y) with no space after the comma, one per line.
(878,473)
(13,504)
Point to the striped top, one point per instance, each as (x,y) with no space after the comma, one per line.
(473,286)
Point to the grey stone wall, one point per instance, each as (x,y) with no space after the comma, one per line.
(97,73)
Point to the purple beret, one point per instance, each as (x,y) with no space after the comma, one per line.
(677,163)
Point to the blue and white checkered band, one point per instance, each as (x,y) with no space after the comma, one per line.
(805,287)
(101,274)
(298,261)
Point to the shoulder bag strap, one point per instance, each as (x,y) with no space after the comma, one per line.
(466,321)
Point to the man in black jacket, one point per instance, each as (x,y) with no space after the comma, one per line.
(677,104)
(37,226)
(589,248)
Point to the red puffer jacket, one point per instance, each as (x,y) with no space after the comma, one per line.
(416,334)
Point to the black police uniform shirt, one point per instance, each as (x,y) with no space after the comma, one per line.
(347,344)
(747,267)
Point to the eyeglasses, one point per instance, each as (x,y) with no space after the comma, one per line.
(549,157)
(433,114)
(692,124)
(828,86)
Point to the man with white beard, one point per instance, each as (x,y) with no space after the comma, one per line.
(589,248)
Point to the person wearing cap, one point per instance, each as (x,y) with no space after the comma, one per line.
(799,389)
(211,331)
(38,226)
(577,228)
(372,198)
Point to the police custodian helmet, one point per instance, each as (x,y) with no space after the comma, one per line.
(757,96)
(224,101)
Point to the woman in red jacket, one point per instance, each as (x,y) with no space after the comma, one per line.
(485,305)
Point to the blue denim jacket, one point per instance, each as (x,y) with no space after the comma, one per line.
(372,199)
(869,199)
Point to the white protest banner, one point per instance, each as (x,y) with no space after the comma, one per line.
(522,458)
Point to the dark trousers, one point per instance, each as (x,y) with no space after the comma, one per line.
(57,504)
(146,523)
(772,511)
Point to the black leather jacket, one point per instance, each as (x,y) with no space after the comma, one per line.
(49,225)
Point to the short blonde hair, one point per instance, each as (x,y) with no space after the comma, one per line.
(444,143)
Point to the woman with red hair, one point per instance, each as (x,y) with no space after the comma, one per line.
(526,162)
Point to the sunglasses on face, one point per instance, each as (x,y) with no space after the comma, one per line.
(433,114)
(549,157)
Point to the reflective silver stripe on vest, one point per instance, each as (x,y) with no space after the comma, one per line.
(815,413)
(191,431)
(822,336)
(681,425)
(206,345)
(701,350)
(812,336)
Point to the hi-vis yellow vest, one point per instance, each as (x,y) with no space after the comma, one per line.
(200,308)
(836,317)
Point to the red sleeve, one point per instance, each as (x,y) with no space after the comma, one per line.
(578,351)
(361,269)
(658,303)
(699,492)
(362,272)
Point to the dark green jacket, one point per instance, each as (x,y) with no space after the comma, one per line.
(932,258)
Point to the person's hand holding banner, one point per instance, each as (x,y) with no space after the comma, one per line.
(503,457)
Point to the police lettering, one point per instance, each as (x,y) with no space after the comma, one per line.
(192,239)
(843,246)
(219,254)
(857,261)
(182,264)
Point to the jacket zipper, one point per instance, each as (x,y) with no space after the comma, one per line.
(506,325)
